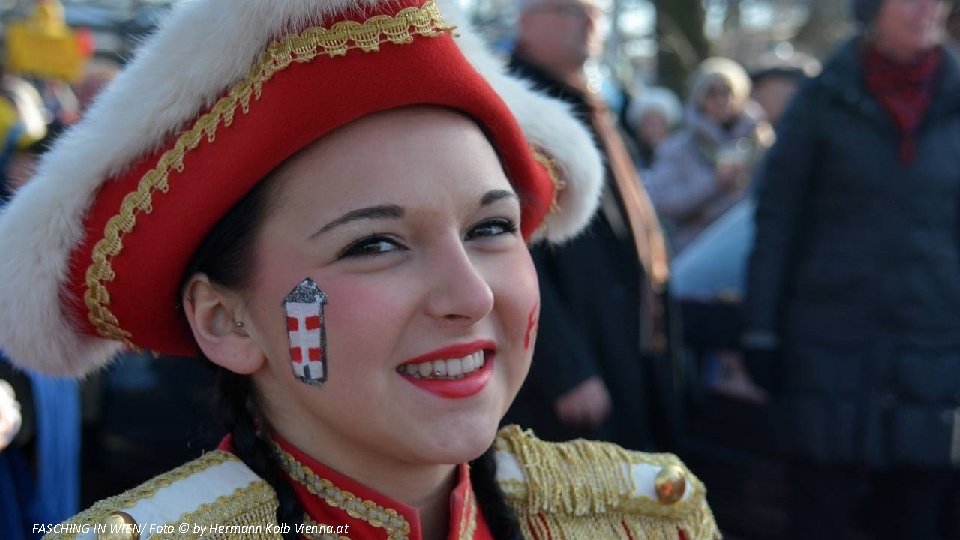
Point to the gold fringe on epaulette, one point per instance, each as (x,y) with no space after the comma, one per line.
(579,477)
(584,489)
(615,526)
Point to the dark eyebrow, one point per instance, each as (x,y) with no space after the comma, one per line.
(383,211)
(392,211)
(491,197)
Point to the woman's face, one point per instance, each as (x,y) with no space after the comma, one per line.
(718,103)
(653,127)
(407,222)
(906,28)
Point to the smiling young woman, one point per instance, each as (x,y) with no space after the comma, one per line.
(335,210)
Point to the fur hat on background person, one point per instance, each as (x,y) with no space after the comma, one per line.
(865,11)
(655,98)
(225,91)
(725,69)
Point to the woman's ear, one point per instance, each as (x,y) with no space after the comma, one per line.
(215,317)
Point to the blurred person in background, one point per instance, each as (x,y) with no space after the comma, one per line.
(704,169)
(98,73)
(651,117)
(776,79)
(951,40)
(602,366)
(22,125)
(852,311)
(39,415)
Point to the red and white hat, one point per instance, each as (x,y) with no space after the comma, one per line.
(94,246)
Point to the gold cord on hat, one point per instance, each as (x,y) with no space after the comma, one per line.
(309,44)
(551,167)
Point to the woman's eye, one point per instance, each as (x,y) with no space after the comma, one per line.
(370,245)
(492,227)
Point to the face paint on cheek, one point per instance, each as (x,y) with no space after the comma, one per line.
(306,332)
(532,321)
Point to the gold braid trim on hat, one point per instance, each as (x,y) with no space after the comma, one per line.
(585,489)
(300,48)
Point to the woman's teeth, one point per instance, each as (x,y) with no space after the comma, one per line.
(444,369)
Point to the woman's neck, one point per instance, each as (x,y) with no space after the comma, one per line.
(435,512)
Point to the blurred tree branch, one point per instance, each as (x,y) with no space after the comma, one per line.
(826,24)
(681,39)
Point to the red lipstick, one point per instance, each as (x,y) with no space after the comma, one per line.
(454,388)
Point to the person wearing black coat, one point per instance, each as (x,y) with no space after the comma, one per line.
(853,300)
(602,364)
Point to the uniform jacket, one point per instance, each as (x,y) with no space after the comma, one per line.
(856,268)
(558,491)
(591,323)
(682,183)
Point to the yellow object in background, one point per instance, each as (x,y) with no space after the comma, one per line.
(9,121)
(44,46)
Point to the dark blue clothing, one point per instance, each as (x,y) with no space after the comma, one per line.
(856,268)
(591,323)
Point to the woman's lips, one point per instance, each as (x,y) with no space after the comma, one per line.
(454,372)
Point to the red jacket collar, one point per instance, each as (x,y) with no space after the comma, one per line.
(331,498)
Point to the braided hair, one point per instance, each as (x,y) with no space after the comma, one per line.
(500,518)
(224,256)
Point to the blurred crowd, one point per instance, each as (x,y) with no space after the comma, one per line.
(776,256)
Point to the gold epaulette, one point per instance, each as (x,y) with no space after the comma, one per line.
(586,489)
(213,497)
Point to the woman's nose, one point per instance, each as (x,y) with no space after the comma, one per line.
(458,290)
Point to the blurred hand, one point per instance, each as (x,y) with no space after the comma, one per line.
(586,405)
(731,176)
(9,414)
(735,381)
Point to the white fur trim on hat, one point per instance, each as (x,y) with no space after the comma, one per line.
(200,50)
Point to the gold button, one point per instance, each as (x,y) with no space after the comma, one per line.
(670,484)
(118,526)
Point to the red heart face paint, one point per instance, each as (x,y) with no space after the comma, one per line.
(532,321)
(306,331)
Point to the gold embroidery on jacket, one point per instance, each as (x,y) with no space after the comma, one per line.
(311,43)
(585,489)
(312,525)
(245,513)
(382,518)
(96,513)
(468,517)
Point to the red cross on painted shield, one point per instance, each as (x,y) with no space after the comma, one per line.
(303,309)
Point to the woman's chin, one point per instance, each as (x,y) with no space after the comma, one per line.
(462,445)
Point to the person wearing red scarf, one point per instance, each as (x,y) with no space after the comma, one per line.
(853,298)
(904,85)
